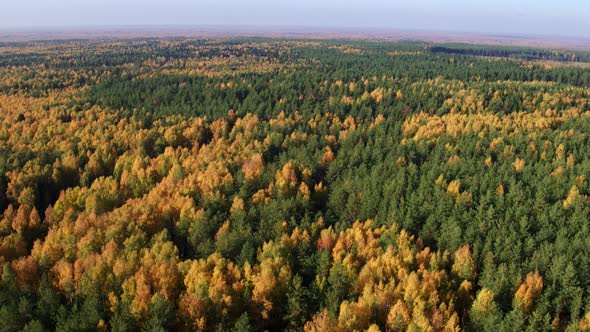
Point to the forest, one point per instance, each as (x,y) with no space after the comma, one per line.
(256,184)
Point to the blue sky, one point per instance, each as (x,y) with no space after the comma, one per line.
(543,17)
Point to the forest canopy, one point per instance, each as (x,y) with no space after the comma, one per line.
(283,184)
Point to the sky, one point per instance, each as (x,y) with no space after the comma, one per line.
(567,18)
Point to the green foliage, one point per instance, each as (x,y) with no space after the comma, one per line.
(242,324)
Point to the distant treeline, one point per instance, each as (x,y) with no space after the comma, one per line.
(512,52)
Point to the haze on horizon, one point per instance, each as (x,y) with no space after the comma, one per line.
(566,18)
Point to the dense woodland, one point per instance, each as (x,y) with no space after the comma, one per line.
(261,184)
(522,53)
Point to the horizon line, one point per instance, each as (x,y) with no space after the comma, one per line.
(94,31)
(348,28)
